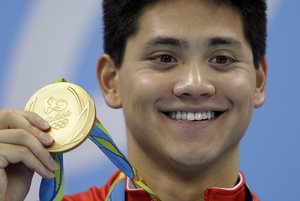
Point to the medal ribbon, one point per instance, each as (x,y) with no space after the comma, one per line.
(53,189)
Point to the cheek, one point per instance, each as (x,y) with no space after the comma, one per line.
(239,91)
(150,85)
(141,89)
(239,88)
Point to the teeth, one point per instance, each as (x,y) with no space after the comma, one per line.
(183,115)
(191,116)
(204,115)
(198,116)
(178,115)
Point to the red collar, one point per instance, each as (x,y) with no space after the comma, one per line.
(237,193)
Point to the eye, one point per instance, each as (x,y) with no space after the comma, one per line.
(164,59)
(222,60)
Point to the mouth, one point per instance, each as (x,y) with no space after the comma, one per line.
(193,116)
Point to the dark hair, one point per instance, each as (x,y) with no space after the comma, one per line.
(121,21)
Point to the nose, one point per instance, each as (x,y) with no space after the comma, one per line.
(194,83)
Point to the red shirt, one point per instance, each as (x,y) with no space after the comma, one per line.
(237,193)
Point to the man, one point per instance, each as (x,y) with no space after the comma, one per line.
(187,75)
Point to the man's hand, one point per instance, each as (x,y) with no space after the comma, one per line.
(23,139)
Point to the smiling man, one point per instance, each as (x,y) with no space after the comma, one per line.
(188,75)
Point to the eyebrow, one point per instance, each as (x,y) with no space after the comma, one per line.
(166,41)
(175,42)
(223,41)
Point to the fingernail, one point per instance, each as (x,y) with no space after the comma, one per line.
(51,175)
(53,164)
(45,125)
(46,138)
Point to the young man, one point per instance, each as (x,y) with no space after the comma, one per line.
(188,75)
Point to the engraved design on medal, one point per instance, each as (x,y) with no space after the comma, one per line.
(57,105)
(57,112)
(32,104)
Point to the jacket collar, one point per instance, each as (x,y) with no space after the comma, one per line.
(237,193)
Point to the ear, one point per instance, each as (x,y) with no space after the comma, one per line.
(261,79)
(108,79)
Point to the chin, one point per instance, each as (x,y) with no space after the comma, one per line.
(192,161)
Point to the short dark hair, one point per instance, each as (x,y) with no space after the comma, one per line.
(121,18)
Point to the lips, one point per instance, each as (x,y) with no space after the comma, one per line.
(193,116)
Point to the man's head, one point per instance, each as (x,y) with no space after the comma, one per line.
(187,83)
(121,20)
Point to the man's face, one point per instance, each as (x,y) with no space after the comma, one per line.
(187,83)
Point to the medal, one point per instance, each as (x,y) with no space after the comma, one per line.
(70,112)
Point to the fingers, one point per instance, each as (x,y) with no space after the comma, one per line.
(23,139)
(28,121)
(21,143)
(35,119)
(23,155)
(3,184)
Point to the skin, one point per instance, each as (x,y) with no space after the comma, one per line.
(207,65)
(185,57)
(22,152)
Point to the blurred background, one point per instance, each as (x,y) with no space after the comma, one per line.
(41,41)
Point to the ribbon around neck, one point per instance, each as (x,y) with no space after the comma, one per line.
(53,189)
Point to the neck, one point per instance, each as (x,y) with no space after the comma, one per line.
(169,183)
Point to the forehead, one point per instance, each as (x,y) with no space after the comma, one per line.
(207,6)
(199,17)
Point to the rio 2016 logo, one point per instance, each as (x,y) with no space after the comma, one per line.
(59,119)
(55,105)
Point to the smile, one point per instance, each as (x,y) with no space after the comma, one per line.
(191,116)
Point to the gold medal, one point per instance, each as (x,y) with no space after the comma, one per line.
(70,112)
